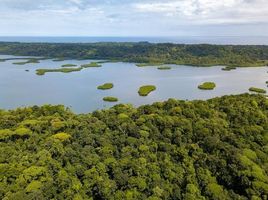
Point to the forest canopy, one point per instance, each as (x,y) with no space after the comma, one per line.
(144,52)
(214,149)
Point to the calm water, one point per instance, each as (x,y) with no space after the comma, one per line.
(242,40)
(78,91)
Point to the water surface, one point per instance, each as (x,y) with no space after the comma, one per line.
(235,40)
(78,90)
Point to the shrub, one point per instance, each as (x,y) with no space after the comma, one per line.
(61,136)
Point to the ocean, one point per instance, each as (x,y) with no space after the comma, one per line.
(224,40)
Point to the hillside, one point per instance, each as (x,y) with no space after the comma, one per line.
(214,149)
(143,52)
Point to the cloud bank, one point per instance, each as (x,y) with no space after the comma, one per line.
(133,17)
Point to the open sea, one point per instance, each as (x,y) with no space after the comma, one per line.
(235,40)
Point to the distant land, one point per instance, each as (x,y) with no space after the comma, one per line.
(145,52)
(235,40)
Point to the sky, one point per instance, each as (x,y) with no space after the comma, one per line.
(133,17)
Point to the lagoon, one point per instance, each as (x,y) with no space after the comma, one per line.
(78,90)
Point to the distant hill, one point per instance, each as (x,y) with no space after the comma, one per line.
(144,52)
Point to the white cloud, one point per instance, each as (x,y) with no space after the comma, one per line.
(132,17)
(209,11)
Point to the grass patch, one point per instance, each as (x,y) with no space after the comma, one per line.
(228,68)
(27,62)
(164,68)
(258,90)
(207,86)
(103,62)
(147,64)
(106,86)
(69,65)
(110,99)
(146,90)
(65,68)
(41,72)
(92,64)
(58,59)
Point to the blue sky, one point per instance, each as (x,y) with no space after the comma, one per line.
(133,17)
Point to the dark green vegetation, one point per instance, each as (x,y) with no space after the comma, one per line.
(215,149)
(41,72)
(147,89)
(164,68)
(207,86)
(69,65)
(110,99)
(92,64)
(33,60)
(58,59)
(106,86)
(228,68)
(147,64)
(258,90)
(66,68)
(201,55)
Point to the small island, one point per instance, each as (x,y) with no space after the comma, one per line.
(58,59)
(27,62)
(164,67)
(92,64)
(41,72)
(147,64)
(110,99)
(257,90)
(146,90)
(228,68)
(207,86)
(106,86)
(69,65)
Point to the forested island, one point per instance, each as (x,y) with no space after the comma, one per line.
(146,53)
(215,149)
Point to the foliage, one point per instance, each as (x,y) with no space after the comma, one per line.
(58,59)
(144,52)
(147,64)
(32,60)
(228,68)
(110,99)
(258,90)
(106,86)
(41,72)
(207,86)
(92,64)
(164,68)
(69,65)
(214,149)
(61,136)
(146,90)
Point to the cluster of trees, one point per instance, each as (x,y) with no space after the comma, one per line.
(143,52)
(215,149)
